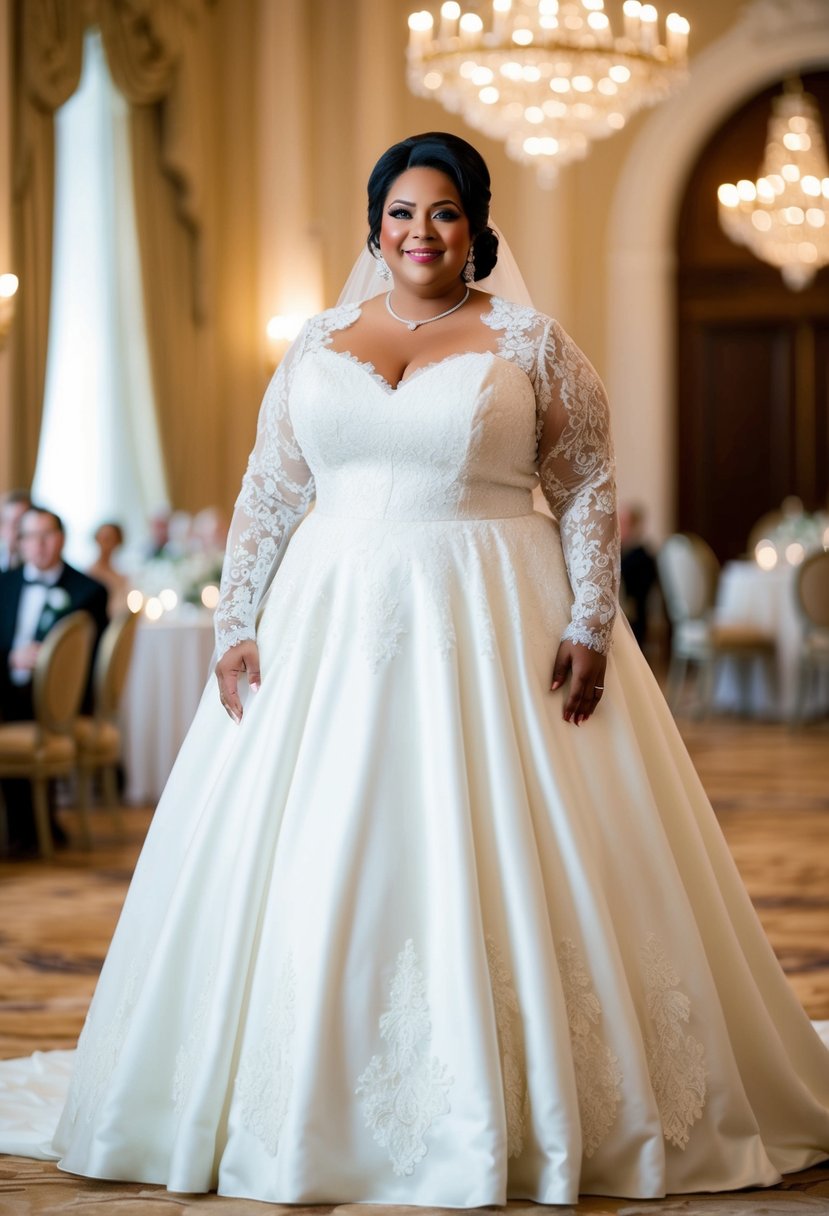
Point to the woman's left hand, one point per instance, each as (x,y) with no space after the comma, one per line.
(586,669)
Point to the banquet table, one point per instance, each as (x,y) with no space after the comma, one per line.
(765,598)
(170,666)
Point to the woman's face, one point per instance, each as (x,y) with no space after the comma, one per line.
(424,235)
(107,539)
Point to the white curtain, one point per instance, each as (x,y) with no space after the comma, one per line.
(100,455)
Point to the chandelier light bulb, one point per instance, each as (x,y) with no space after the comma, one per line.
(547,77)
(420,22)
(783,217)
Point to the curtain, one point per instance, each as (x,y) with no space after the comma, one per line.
(49,55)
(157,51)
(99,456)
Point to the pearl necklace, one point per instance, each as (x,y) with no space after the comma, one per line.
(428,320)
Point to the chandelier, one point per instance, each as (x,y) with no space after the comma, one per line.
(545,76)
(783,216)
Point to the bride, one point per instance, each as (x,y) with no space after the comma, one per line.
(401,933)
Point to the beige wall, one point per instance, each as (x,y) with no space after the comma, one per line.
(307,94)
(359,104)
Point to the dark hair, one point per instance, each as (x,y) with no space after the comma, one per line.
(110,523)
(36,510)
(459,161)
(13,498)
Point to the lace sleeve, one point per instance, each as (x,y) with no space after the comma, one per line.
(276,491)
(576,471)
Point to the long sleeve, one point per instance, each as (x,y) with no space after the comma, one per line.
(577,475)
(276,491)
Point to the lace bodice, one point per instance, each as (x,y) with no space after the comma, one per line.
(466,437)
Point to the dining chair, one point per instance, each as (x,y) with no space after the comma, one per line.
(812,595)
(689,573)
(44,748)
(98,736)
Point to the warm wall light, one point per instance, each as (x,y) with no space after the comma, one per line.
(9,284)
(281,331)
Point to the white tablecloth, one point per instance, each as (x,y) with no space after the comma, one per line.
(170,666)
(766,598)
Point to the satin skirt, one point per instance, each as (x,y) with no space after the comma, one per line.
(405,936)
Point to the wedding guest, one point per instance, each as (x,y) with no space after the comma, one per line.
(638,569)
(209,531)
(159,527)
(180,540)
(109,538)
(33,598)
(13,504)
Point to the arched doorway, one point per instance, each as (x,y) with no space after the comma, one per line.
(752,356)
(772,39)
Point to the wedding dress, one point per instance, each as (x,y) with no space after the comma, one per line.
(405,935)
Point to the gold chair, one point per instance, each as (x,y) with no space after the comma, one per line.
(45,748)
(98,737)
(688,573)
(812,592)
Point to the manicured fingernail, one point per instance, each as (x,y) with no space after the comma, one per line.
(555,684)
(236,717)
(254,688)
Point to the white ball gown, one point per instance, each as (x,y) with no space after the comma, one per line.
(405,936)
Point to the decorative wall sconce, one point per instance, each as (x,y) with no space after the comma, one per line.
(281,331)
(9,284)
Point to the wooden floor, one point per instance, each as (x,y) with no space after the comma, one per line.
(769,786)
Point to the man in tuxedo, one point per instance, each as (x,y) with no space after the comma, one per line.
(33,598)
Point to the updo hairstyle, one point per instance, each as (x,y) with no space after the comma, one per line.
(462,163)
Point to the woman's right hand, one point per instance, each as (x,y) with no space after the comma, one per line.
(242,659)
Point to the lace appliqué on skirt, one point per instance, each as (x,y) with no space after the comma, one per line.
(188,1054)
(404,1090)
(676,1060)
(265,1077)
(98,1053)
(598,1076)
(511,1047)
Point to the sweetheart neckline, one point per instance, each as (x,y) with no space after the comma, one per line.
(392,390)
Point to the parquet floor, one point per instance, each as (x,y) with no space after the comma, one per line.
(770,789)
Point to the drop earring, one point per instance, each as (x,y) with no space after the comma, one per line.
(381,267)
(468,273)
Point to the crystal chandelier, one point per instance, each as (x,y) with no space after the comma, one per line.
(783,217)
(545,76)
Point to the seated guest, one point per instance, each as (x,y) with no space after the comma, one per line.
(209,531)
(12,507)
(159,528)
(32,599)
(109,538)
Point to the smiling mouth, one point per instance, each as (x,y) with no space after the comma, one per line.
(422,255)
